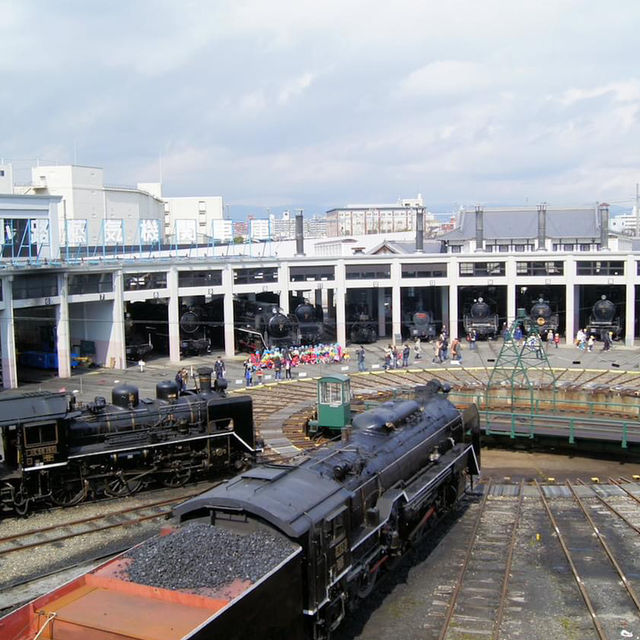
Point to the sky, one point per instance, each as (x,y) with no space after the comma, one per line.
(321,104)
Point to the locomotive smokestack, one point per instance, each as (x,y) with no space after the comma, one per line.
(204,377)
(299,233)
(542,226)
(479,228)
(419,230)
(603,215)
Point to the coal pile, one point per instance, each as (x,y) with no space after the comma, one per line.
(203,556)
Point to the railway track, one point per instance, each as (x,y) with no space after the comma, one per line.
(533,561)
(95,524)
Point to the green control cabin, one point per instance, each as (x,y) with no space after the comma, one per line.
(334,403)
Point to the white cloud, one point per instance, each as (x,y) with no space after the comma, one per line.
(447,77)
(295,88)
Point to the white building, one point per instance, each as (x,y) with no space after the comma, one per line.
(627,223)
(93,214)
(194,217)
(260,229)
(361,219)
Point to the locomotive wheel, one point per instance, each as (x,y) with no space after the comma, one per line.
(21,502)
(120,486)
(66,491)
(175,477)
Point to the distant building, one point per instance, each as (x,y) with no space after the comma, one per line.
(363,219)
(93,214)
(628,223)
(195,218)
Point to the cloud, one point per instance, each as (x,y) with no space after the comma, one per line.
(447,77)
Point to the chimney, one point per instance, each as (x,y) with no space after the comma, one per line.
(542,226)
(420,230)
(299,234)
(603,216)
(204,376)
(479,228)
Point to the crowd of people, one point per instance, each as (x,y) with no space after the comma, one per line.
(282,361)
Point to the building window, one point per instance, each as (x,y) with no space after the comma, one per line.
(503,248)
(539,268)
(585,247)
(456,248)
(435,270)
(600,268)
(138,281)
(311,274)
(567,247)
(519,248)
(199,278)
(489,248)
(1,173)
(368,272)
(482,269)
(255,276)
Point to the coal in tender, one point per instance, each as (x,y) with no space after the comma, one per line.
(200,555)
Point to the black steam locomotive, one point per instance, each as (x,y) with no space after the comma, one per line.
(363,330)
(309,323)
(421,325)
(481,319)
(603,318)
(265,323)
(194,339)
(57,452)
(352,508)
(543,317)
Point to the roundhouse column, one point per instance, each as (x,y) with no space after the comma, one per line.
(382,314)
(173,315)
(229,319)
(453,276)
(396,310)
(340,299)
(283,284)
(117,348)
(630,301)
(7,337)
(447,313)
(572,300)
(62,328)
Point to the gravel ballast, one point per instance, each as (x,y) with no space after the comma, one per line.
(200,555)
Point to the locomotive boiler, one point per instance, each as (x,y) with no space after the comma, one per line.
(421,325)
(193,332)
(543,317)
(265,322)
(481,319)
(326,529)
(603,318)
(309,323)
(55,451)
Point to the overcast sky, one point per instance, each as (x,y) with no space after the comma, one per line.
(273,103)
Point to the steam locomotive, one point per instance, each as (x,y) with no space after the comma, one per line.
(265,323)
(363,330)
(481,319)
(309,323)
(194,339)
(345,514)
(543,317)
(55,451)
(603,318)
(421,325)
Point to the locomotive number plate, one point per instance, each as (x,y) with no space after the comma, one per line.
(41,451)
